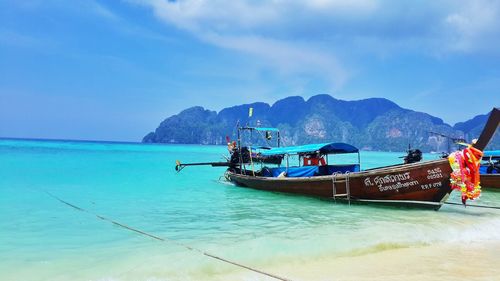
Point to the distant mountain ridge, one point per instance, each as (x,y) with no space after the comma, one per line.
(371,124)
(472,129)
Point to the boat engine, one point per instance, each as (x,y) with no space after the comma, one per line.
(413,156)
(245,155)
(493,168)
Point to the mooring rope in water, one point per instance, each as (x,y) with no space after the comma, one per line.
(476,206)
(166,240)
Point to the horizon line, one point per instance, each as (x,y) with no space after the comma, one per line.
(73,140)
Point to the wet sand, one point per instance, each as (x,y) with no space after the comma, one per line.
(448,261)
(437,262)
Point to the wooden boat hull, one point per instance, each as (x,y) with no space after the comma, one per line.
(423,184)
(490,181)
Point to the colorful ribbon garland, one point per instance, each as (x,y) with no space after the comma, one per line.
(465,175)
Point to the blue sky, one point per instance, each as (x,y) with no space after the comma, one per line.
(112,70)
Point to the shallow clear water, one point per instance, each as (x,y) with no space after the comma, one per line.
(134,184)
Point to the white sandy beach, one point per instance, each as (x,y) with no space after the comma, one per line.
(447,261)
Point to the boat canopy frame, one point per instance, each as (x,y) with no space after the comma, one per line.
(321,149)
(259,129)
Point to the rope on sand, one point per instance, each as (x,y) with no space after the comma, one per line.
(138,231)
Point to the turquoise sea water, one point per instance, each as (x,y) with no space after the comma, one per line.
(42,239)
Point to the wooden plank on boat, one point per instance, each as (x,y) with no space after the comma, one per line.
(489,129)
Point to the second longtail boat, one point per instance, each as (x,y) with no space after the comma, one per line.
(490,169)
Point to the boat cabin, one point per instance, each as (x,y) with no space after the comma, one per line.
(313,160)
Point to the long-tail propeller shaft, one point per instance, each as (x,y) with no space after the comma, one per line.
(179,166)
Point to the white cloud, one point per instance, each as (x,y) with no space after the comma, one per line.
(286,58)
(197,15)
(475,26)
(243,26)
(320,37)
(99,10)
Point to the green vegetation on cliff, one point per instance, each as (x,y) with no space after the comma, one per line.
(371,124)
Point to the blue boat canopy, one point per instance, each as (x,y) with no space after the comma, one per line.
(491,153)
(323,148)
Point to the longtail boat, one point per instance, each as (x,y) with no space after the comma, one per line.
(490,169)
(413,183)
